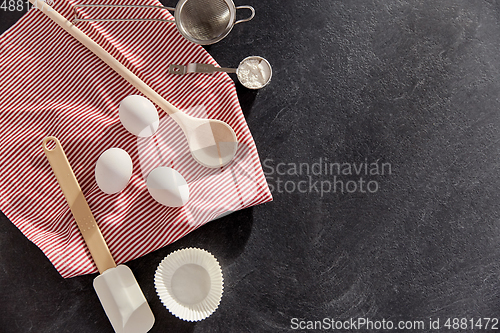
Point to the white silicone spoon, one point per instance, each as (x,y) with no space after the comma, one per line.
(212,143)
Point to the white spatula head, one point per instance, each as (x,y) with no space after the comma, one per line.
(123,301)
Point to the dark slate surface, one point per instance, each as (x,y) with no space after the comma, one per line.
(413,84)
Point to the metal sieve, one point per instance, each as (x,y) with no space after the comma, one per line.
(199,21)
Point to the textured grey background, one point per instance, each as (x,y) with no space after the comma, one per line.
(410,83)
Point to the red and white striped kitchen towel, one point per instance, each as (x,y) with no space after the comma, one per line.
(52,85)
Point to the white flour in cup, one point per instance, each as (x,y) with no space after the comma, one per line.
(254,72)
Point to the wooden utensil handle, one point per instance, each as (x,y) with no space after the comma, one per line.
(105,56)
(78,205)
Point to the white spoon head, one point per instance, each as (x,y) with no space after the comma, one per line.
(213,144)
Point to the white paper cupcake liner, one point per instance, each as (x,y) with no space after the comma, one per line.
(189,283)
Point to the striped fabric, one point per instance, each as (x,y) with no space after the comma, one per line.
(52,85)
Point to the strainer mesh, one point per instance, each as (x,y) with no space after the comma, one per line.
(205,19)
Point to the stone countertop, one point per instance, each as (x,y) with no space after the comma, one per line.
(380,137)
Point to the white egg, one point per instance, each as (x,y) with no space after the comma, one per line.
(138,115)
(168,187)
(113,170)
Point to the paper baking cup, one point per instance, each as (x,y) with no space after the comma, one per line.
(189,283)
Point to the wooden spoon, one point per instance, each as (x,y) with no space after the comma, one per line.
(212,143)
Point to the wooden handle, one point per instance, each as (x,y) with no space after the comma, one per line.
(78,205)
(105,56)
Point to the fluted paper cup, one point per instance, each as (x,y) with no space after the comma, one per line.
(189,283)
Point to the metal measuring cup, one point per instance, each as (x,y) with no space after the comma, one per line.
(245,75)
(202,22)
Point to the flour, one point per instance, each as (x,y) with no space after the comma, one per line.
(254,72)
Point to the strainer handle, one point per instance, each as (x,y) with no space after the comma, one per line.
(248,18)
